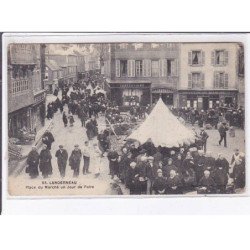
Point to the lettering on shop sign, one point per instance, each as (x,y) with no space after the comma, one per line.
(130,86)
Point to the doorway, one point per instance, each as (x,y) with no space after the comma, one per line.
(205,103)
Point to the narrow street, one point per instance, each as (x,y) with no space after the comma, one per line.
(68,137)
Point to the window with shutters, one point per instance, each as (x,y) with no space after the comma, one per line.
(169,67)
(138,68)
(220,80)
(155,68)
(172,67)
(220,58)
(196,58)
(196,80)
(124,67)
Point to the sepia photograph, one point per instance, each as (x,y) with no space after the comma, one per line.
(130,118)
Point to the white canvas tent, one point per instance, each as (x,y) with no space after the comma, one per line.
(162,128)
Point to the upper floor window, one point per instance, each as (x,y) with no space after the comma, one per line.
(220,80)
(155,45)
(196,58)
(196,80)
(124,67)
(138,68)
(123,46)
(155,68)
(170,65)
(219,57)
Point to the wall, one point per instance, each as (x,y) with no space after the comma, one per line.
(208,69)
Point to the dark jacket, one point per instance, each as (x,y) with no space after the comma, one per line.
(45,162)
(75,159)
(62,157)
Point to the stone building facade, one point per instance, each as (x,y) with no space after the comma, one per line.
(26,96)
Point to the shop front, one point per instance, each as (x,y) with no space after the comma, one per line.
(130,93)
(166,94)
(207,99)
(19,120)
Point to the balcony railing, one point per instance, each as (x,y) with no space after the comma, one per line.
(19,85)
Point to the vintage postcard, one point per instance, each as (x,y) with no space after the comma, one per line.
(144,117)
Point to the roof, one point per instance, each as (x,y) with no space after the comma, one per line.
(52,65)
(162,128)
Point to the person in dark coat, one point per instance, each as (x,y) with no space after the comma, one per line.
(206,184)
(160,184)
(209,163)
(113,158)
(142,176)
(174,183)
(33,162)
(91,127)
(199,163)
(50,111)
(188,173)
(131,179)
(45,162)
(65,119)
(204,136)
(124,163)
(239,174)
(167,168)
(221,173)
(48,139)
(75,159)
(62,157)
(223,134)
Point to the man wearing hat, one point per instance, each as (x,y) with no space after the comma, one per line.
(223,133)
(62,157)
(204,136)
(75,159)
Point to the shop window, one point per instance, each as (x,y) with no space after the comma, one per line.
(138,68)
(155,68)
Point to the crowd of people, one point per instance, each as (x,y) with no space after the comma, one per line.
(212,117)
(156,171)
(146,169)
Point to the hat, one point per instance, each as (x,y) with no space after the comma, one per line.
(159,171)
(60,146)
(150,158)
(76,145)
